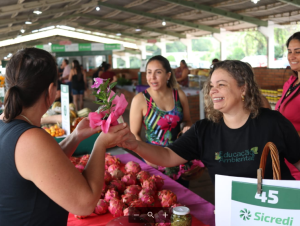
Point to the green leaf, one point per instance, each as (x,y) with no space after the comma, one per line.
(102,96)
(108,93)
(111,99)
(112,85)
(254,150)
(101,103)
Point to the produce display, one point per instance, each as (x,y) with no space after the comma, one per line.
(126,185)
(54,130)
(51,120)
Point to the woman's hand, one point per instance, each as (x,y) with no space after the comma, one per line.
(114,135)
(129,142)
(83,129)
(186,128)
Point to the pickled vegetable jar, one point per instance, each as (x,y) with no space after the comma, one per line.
(181,216)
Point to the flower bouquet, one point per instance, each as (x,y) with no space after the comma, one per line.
(188,171)
(111,106)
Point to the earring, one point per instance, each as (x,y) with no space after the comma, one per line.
(243,98)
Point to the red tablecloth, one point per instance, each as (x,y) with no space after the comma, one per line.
(202,210)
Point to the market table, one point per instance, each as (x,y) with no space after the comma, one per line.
(202,210)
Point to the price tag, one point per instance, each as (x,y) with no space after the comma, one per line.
(238,204)
(275,206)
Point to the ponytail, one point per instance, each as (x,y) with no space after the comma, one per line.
(29,73)
(12,104)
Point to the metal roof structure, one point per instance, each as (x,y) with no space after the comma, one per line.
(134,21)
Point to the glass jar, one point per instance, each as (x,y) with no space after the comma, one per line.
(181,216)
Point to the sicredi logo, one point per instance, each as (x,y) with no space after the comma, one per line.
(277,220)
(245,214)
(258,216)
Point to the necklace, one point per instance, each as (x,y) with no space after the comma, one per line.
(26,119)
(291,89)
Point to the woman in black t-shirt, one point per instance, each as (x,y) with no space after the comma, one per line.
(231,139)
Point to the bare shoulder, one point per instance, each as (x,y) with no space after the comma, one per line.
(36,146)
(139,98)
(181,94)
(139,102)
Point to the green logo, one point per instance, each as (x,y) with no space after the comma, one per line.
(239,156)
(245,214)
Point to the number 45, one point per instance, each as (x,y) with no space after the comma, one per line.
(272,197)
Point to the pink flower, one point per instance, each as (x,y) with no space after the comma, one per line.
(181,170)
(197,163)
(98,82)
(168,122)
(161,168)
(96,119)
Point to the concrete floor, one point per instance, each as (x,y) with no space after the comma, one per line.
(201,186)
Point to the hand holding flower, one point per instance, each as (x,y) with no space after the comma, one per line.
(111,107)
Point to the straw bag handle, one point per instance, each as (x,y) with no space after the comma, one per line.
(270,147)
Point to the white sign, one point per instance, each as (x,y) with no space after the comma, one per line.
(65,110)
(2,93)
(238,204)
(143,65)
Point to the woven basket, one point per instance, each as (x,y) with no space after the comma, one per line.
(270,148)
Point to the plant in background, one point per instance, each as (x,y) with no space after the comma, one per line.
(111,106)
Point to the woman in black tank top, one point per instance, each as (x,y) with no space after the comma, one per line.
(39,184)
(78,78)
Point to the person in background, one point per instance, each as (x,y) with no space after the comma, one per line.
(289,103)
(161,108)
(78,78)
(231,139)
(181,74)
(39,184)
(100,68)
(66,71)
(107,73)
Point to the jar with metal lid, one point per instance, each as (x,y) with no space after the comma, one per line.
(181,216)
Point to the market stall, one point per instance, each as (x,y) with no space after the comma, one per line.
(202,210)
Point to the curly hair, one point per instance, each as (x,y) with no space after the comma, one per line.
(243,74)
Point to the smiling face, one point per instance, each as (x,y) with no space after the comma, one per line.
(156,75)
(294,54)
(225,93)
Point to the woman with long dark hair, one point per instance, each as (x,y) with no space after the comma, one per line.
(39,184)
(78,78)
(289,103)
(161,108)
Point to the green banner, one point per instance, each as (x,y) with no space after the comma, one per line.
(84,47)
(57,48)
(112,46)
(80,47)
(272,196)
(39,46)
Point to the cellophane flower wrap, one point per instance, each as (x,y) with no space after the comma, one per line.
(111,107)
